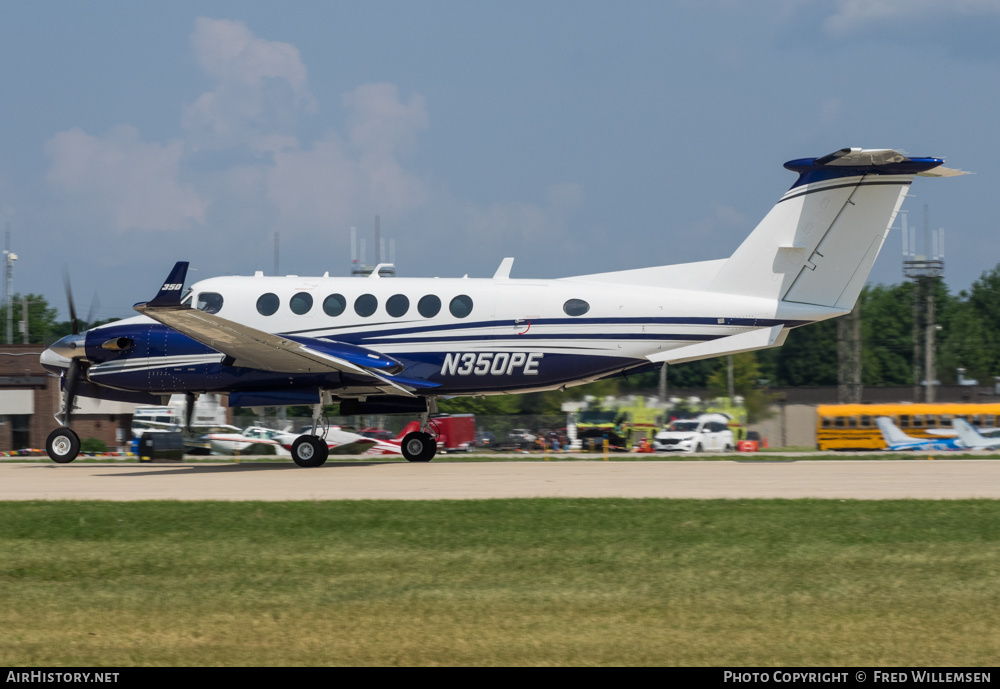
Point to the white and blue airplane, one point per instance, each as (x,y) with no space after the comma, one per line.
(972,438)
(395,345)
(896,440)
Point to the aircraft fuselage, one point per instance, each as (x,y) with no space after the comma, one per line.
(462,336)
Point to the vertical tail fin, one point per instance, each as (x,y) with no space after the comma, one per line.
(891,433)
(966,433)
(817,245)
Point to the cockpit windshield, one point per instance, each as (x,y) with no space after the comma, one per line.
(210,302)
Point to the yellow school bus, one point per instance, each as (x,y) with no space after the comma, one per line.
(852,426)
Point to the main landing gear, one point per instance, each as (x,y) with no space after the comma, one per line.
(421,446)
(310,451)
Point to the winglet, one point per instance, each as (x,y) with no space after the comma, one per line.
(170,293)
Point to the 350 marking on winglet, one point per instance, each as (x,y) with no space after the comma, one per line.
(170,286)
(490,363)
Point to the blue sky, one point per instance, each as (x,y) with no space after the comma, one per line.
(576,136)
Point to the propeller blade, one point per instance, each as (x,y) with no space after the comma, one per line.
(69,300)
(95,306)
(190,398)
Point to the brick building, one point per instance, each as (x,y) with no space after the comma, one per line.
(30,396)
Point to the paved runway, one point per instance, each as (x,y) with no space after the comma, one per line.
(843,479)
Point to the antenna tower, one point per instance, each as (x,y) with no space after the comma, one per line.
(925,270)
(360,268)
(9,258)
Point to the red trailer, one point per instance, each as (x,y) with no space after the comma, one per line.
(455,432)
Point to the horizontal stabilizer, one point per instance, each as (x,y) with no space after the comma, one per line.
(944,172)
(760,338)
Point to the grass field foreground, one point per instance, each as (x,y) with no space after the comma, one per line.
(500,582)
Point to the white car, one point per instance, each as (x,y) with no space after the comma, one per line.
(707,433)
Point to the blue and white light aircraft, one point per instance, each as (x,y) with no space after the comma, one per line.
(896,440)
(971,438)
(394,345)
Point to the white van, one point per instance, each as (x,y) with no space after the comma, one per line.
(706,433)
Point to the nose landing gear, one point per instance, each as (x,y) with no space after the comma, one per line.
(62,445)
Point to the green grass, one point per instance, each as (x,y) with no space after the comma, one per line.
(500,582)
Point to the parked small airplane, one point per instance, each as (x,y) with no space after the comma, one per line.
(395,345)
(972,438)
(338,441)
(897,441)
(251,440)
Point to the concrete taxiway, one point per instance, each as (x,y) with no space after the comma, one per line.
(357,480)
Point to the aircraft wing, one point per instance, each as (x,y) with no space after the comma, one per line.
(252,348)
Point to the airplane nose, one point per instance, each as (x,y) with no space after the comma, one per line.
(52,362)
(70,347)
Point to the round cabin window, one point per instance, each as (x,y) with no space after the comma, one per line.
(576,307)
(267,304)
(461,306)
(429,306)
(334,305)
(397,305)
(301,303)
(365,305)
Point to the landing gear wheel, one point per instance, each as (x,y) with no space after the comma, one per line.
(419,447)
(309,451)
(62,445)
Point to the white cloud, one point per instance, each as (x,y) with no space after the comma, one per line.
(127,183)
(228,51)
(239,150)
(379,124)
(859,15)
(524,224)
(334,182)
(260,90)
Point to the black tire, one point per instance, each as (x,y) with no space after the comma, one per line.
(419,447)
(62,445)
(309,451)
(697,448)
